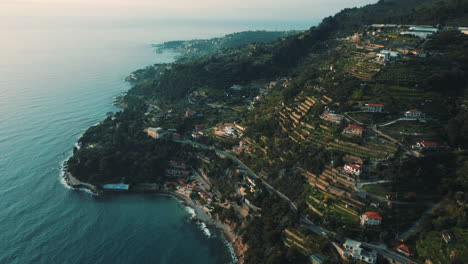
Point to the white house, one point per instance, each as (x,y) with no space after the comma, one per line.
(392,54)
(427,145)
(353,169)
(375,108)
(156,133)
(355,250)
(383,57)
(371,218)
(413,113)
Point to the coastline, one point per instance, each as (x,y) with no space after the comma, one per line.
(235,244)
(236,247)
(201,215)
(72,182)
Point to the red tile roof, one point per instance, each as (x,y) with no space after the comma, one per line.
(376,105)
(429,143)
(404,248)
(354,127)
(373,215)
(356,167)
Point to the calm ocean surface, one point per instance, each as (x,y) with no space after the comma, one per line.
(57,78)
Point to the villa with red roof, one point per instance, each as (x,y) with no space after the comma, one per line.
(375,108)
(403,249)
(353,169)
(371,218)
(425,145)
(353,130)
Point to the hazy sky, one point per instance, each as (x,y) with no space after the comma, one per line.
(207,9)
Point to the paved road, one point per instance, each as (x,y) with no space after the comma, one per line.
(396,120)
(382,250)
(245,169)
(303,220)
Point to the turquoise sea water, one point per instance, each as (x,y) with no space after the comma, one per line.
(57,78)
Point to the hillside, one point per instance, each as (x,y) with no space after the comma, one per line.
(300,139)
(192,49)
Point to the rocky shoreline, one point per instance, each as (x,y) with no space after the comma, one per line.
(201,215)
(74,183)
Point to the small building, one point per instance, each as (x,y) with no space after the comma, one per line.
(189,113)
(403,249)
(196,134)
(390,54)
(420,32)
(176,136)
(332,117)
(357,251)
(424,29)
(353,169)
(116,187)
(156,133)
(426,145)
(353,130)
(375,108)
(413,113)
(371,218)
(419,53)
(317,259)
(447,237)
(382,57)
(463,30)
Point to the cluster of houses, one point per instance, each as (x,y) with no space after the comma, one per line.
(229,130)
(363,253)
(187,187)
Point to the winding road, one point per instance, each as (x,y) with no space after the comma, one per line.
(302,219)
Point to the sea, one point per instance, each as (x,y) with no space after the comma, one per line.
(59,76)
